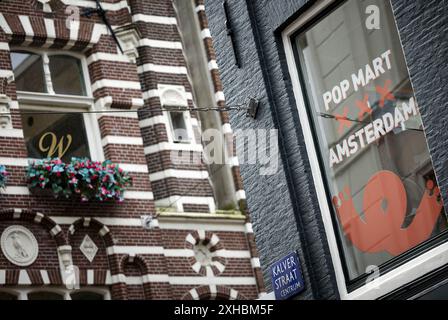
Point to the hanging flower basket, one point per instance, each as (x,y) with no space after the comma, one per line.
(91,180)
(3,176)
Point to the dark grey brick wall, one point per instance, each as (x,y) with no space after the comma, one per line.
(423,27)
(284,207)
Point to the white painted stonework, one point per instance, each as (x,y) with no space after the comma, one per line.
(203,255)
(19,245)
(46,4)
(88,248)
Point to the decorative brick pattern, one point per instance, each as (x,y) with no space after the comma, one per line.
(132,262)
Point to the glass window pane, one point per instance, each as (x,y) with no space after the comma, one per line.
(370,136)
(28,72)
(45,296)
(66,75)
(55,135)
(180,133)
(84,295)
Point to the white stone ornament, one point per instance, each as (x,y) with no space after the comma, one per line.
(203,255)
(19,245)
(46,4)
(88,248)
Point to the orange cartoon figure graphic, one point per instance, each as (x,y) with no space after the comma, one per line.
(384,207)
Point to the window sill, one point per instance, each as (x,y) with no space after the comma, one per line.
(227,215)
(34,98)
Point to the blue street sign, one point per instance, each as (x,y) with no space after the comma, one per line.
(287,279)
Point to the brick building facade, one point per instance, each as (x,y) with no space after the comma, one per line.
(182,231)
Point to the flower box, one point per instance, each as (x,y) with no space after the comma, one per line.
(90,180)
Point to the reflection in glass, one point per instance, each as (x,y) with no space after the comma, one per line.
(28,72)
(370,135)
(66,75)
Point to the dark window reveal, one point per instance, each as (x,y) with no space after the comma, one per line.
(7,296)
(179,127)
(374,156)
(45,295)
(85,295)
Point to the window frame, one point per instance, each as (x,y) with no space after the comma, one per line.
(182,102)
(400,270)
(51,101)
(173,136)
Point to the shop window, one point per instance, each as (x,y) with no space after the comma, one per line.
(55,135)
(368,132)
(53,99)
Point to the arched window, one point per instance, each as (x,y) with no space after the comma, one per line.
(173,97)
(54,293)
(7,296)
(45,295)
(87,295)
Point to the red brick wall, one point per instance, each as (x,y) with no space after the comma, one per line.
(120,236)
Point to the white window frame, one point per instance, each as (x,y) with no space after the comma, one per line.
(21,293)
(392,280)
(60,102)
(173,137)
(181,102)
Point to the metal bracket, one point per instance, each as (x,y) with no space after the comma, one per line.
(88,12)
(252,107)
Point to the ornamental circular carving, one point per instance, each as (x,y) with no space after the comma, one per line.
(19,245)
(203,254)
(207,253)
